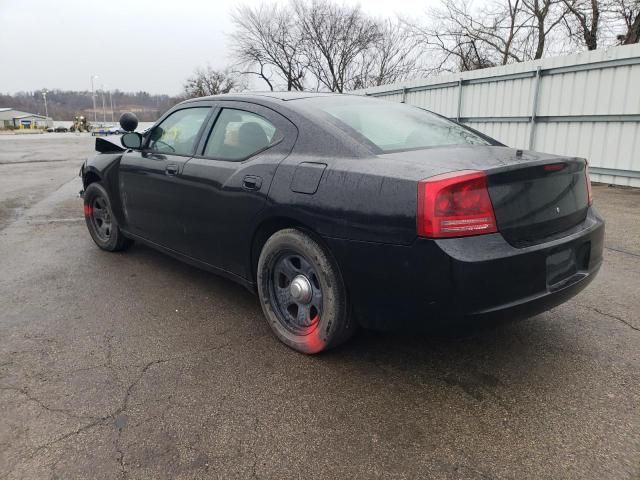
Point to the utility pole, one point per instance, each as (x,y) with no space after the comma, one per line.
(46,110)
(111,102)
(93,97)
(104,112)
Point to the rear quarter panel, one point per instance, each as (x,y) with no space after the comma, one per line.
(364,199)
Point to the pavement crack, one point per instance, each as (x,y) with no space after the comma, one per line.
(31,398)
(55,441)
(132,385)
(101,420)
(176,357)
(626,252)
(615,317)
(69,434)
(120,452)
(125,402)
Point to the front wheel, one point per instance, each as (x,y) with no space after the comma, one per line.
(302,293)
(101,223)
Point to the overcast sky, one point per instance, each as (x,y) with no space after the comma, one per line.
(150,45)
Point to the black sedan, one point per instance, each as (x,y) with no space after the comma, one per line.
(344,211)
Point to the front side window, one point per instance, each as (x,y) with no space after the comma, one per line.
(394,126)
(178,133)
(238,134)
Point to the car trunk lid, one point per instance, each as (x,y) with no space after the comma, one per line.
(534,195)
(535,201)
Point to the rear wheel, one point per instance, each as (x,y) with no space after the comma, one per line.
(101,223)
(302,293)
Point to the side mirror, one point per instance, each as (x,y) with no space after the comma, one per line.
(128,121)
(131,140)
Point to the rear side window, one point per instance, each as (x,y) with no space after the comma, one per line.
(178,132)
(394,126)
(238,134)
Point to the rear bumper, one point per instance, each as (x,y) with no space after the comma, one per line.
(473,279)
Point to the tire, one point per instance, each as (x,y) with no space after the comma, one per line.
(315,316)
(101,222)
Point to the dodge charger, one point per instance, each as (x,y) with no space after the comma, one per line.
(345,211)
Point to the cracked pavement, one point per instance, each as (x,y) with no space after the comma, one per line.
(136,366)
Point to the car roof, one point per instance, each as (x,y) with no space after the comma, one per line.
(262,96)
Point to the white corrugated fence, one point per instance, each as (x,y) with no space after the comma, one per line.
(585,105)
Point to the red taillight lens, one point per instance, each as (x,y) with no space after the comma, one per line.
(554,167)
(455,204)
(589,192)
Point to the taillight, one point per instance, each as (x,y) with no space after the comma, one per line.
(455,204)
(554,167)
(589,192)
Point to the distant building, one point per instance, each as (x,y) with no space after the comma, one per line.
(12,118)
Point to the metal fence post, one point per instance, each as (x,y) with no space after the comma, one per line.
(459,99)
(534,109)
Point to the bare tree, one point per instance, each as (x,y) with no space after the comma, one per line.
(207,81)
(629,12)
(475,39)
(393,57)
(583,22)
(318,44)
(267,42)
(603,23)
(545,16)
(335,39)
(504,31)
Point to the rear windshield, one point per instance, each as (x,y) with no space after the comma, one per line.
(392,126)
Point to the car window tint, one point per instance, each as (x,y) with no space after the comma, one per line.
(394,126)
(178,132)
(238,134)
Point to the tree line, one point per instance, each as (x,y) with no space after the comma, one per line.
(66,104)
(324,45)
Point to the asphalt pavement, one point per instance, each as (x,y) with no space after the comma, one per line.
(134,365)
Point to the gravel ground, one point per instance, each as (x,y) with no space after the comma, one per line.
(137,366)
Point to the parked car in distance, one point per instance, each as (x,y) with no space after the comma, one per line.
(102,129)
(115,130)
(61,129)
(345,211)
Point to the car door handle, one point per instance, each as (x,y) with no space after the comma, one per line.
(251,182)
(171,169)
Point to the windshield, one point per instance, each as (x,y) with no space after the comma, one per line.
(392,126)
